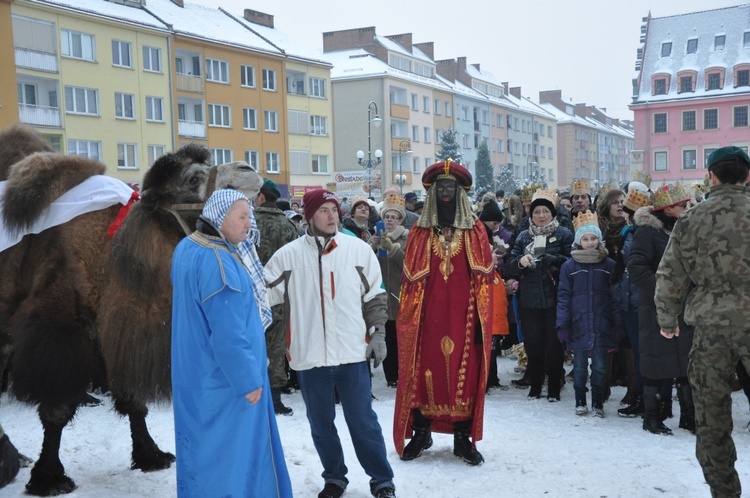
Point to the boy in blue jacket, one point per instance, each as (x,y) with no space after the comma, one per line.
(587,322)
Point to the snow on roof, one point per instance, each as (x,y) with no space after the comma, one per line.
(563,117)
(208,24)
(108,9)
(484,76)
(358,63)
(529,106)
(397,47)
(732,22)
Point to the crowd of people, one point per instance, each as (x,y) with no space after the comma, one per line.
(648,288)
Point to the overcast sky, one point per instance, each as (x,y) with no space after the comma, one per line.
(586,48)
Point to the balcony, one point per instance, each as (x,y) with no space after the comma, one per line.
(194,129)
(39,115)
(36,59)
(189,83)
(399,111)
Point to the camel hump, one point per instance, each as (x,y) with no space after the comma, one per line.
(16,142)
(37,180)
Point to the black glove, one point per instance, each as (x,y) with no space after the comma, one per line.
(547,260)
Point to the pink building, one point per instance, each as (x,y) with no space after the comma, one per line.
(692,91)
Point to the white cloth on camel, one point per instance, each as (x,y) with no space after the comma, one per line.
(95,193)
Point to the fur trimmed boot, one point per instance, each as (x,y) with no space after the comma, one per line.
(687,410)
(651,419)
(462,446)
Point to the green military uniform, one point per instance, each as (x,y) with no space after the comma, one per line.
(275,231)
(707,266)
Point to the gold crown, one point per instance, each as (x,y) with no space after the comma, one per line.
(607,187)
(585,218)
(393,200)
(580,187)
(527,191)
(547,194)
(641,176)
(669,195)
(707,182)
(635,199)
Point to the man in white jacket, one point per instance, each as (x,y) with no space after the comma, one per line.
(331,288)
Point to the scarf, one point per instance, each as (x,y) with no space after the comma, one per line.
(589,256)
(546,230)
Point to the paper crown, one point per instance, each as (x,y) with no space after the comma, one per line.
(580,187)
(393,202)
(546,194)
(641,176)
(607,187)
(635,199)
(527,191)
(669,195)
(447,169)
(585,218)
(357,200)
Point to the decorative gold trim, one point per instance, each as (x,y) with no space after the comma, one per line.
(447,250)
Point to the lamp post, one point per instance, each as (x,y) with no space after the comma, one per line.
(370,162)
(404,149)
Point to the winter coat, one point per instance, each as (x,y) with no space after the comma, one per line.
(624,291)
(363,233)
(392,266)
(586,318)
(538,285)
(275,230)
(661,358)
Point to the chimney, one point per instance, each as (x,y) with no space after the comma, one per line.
(553,97)
(347,39)
(428,48)
(461,72)
(516,91)
(178,3)
(403,39)
(257,17)
(505,86)
(447,69)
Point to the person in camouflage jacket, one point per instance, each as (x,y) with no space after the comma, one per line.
(276,230)
(706,266)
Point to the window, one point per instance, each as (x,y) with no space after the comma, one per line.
(295,82)
(221,156)
(127,158)
(318,88)
(501,145)
(714,81)
(270,119)
(249,118)
(77,45)
(719,42)
(740,116)
(399,62)
(415,133)
(124,107)
(686,84)
(34,35)
(707,152)
(427,134)
(746,39)
(438,133)
(217,71)
(299,162)
(549,154)
(247,76)
(688,159)
(155,152)
(666,49)
(541,129)
(447,109)
(549,132)
(414,102)
(427,164)
(81,100)
(188,65)
(660,161)
(319,125)
(515,124)
(500,120)
(154,109)
(465,140)
(660,86)
(438,107)
(660,122)
(269,80)
(26,93)
(320,164)
(710,119)
(464,113)
(272,162)
(251,158)
(743,77)
(121,54)
(152,59)
(688,121)
(426,104)
(692,45)
(219,115)
(398,96)
(297,122)
(85,148)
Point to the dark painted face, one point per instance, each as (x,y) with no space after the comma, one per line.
(446,190)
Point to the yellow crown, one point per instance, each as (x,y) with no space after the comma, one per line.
(580,187)
(707,182)
(641,176)
(669,195)
(585,218)
(546,194)
(607,187)
(527,191)
(635,199)
(394,200)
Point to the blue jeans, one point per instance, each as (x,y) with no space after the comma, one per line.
(352,382)
(581,372)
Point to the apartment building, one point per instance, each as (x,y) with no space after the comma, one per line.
(691,94)
(8,92)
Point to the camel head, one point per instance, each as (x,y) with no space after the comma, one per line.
(177,178)
(239,175)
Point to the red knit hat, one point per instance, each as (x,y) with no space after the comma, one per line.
(313,199)
(447,169)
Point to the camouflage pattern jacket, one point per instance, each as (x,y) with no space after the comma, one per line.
(710,249)
(275,228)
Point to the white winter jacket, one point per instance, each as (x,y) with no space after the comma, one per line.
(331,296)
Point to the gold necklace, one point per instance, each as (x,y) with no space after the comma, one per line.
(446,248)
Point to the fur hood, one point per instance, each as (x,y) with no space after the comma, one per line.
(644,217)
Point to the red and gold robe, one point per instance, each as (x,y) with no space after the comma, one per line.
(443,358)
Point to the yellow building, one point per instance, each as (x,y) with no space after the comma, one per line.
(8,94)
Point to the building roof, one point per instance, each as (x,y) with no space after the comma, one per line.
(732,22)
(102,8)
(393,46)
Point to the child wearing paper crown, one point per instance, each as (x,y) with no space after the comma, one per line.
(587,322)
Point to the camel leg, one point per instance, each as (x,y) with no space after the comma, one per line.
(146,454)
(48,475)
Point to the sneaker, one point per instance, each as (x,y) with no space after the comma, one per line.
(331,490)
(386,492)
(598,412)
(582,410)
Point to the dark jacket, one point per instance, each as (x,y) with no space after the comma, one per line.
(538,285)
(275,228)
(624,291)
(586,318)
(661,358)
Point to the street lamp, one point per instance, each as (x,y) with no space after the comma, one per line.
(404,149)
(370,162)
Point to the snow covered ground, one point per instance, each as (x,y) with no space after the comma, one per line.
(531,448)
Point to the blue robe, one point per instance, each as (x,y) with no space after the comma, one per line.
(225,446)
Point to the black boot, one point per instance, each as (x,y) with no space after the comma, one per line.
(462,446)
(651,421)
(278,406)
(687,410)
(665,409)
(422,438)
(634,410)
